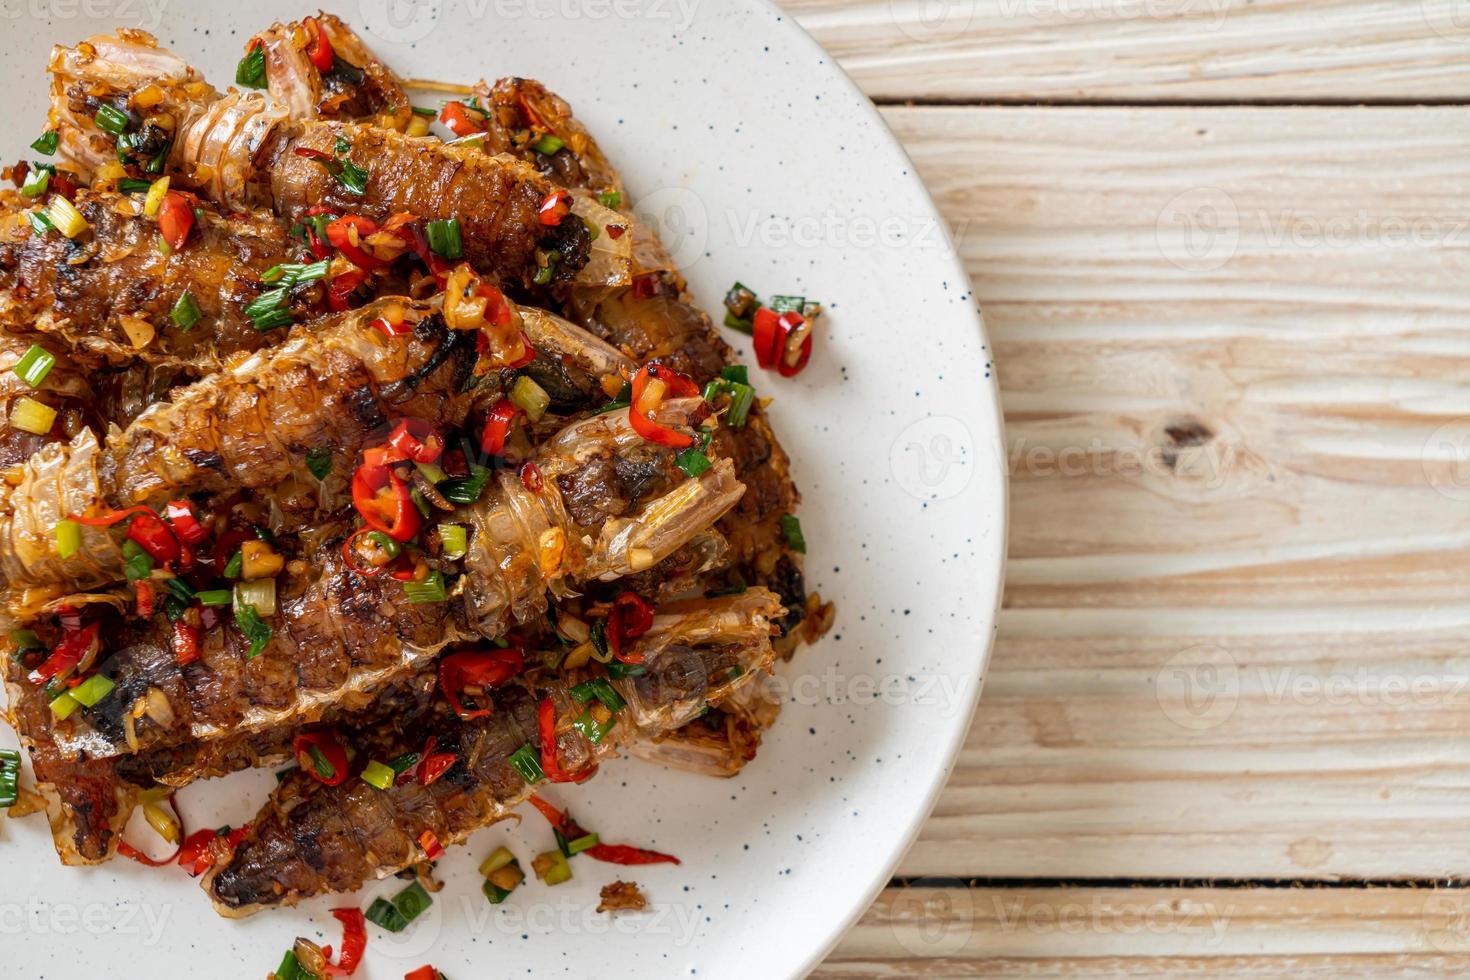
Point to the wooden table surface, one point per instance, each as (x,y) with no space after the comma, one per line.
(1223,250)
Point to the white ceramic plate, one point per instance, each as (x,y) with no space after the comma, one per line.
(760,161)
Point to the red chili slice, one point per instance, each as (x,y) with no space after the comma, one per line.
(391,328)
(481,669)
(461,119)
(624,854)
(788,323)
(417,441)
(766,332)
(498,424)
(330,752)
(339,233)
(422,973)
(429,841)
(385,503)
(180,514)
(143,591)
(629,618)
(351,556)
(194,854)
(175,219)
(67,654)
(354,942)
(643,409)
(434,764)
(154,537)
(531,477)
(550,764)
(556,206)
(342,287)
(319,48)
(185,643)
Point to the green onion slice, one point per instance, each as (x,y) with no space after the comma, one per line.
(444,238)
(47,142)
(250,72)
(430,589)
(92,690)
(466,489)
(549,144)
(185,312)
(36,182)
(382,912)
(791,527)
(378,775)
(256,630)
(412,902)
(215,597)
(610,199)
(319,462)
(34,365)
(110,120)
(527,762)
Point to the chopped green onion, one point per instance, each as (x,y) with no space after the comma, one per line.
(454,539)
(545,272)
(36,182)
(292,274)
(791,527)
(180,588)
(268,310)
(256,630)
(319,462)
(9,777)
(412,902)
(430,589)
(32,416)
(494,892)
(378,775)
(321,763)
(610,199)
(530,398)
(787,304)
(63,706)
(68,538)
(64,217)
(738,373)
(498,859)
(185,312)
(137,563)
(250,72)
(420,501)
(528,764)
(40,223)
(110,120)
(92,690)
(692,461)
(466,489)
(404,763)
(431,472)
(600,690)
(132,185)
(582,843)
(235,564)
(618,670)
(259,595)
(24,640)
(742,396)
(624,399)
(734,322)
(444,239)
(291,968)
(216,597)
(47,142)
(34,365)
(599,642)
(419,110)
(384,914)
(549,144)
(592,729)
(552,867)
(385,543)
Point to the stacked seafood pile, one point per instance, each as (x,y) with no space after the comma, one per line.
(406,458)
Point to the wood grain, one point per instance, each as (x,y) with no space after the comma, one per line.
(1234,635)
(1148,50)
(1157,932)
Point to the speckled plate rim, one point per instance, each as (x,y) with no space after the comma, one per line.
(1000,488)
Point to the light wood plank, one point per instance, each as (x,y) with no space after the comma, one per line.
(1148,50)
(1157,932)
(1288,545)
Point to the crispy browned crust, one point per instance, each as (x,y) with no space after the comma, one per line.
(79,290)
